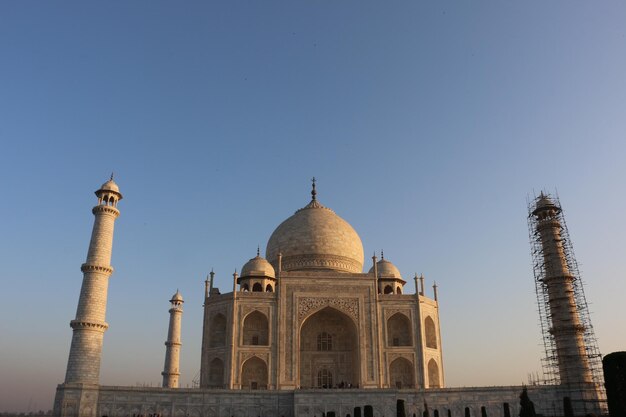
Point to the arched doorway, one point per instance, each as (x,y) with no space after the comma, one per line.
(328,350)
(254,374)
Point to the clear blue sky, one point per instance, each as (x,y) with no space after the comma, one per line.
(427,124)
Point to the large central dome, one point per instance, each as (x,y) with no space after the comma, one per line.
(316,238)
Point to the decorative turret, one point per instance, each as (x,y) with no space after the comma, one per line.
(257,275)
(389,279)
(89,325)
(171,372)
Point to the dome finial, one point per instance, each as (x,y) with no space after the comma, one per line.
(313,192)
(258,251)
(111,179)
(382,254)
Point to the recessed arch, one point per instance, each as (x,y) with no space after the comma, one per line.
(433,374)
(401,373)
(254,374)
(216,373)
(341,360)
(269,288)
(256,329)
(399,290)
(218,331)
(399,330)
(388,289)
(257,287)
(430,333)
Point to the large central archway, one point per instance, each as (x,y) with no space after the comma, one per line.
(328,350)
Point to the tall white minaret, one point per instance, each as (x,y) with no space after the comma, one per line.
(171,371)
(89,326)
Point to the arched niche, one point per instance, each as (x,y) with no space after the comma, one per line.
(433,374)
(217,335)
(401,373)
(399,330)
(254,374)
(216,373)
(430,333)
(256,329)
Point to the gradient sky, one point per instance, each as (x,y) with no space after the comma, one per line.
(427,124)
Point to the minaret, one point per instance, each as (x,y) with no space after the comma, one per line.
(172,351)
(89,326)
(565,324)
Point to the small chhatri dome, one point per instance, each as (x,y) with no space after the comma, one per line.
(110,187)
(544,202)
(316,238)
(258,267)
(386,269)
(177,297)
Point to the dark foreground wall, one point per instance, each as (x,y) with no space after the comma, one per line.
(614,365)
(86,401)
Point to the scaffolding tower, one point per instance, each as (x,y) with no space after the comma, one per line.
(550,363)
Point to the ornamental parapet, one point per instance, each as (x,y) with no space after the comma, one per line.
(89,325)
(320,261)
(96,268)
(105,209)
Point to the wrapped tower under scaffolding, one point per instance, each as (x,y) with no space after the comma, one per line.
(572,358)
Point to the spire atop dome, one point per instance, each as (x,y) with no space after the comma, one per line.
(258,251)
(313,204)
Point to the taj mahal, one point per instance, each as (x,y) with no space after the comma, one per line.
(314,329)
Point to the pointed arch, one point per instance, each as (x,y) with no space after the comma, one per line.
(256,329)
(338,352)
(401,373)
(430,331)
(399,330)
(254,374)
(218,331)
(216,373)
(257,287)
(433,374)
